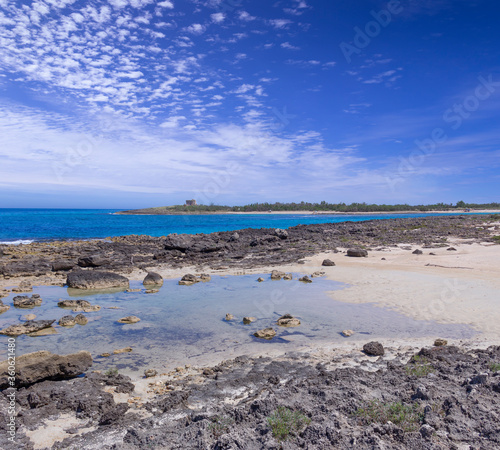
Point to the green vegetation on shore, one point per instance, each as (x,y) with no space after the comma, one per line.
(307,206)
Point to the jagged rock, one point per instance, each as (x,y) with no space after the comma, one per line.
(288,320)
(317,274)
(229,317)
(60,266)
(260,279)
(188,280)
(205,277)
(148,373)
(277,275)
(80,319)
(305,279)
(248,320)
(153,279)
(327,263)
(357,252)
(266,333)
(129,320)
(39,366)
(78,305)
(122,350)
(29,326)
(23,301)
(92,261)
(3,307)
(374,349)
(347,333)
(93,279)
(440,342)
(178,242)
(282,234)
(24,286)
(67,321)
(418,252)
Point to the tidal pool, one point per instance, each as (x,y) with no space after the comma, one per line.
(185,324)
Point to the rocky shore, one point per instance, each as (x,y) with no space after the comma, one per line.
(440,397)
(249,248)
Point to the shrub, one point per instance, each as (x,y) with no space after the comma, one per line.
(495,367)
(220,425)
(284,422)
(408,417)
(419,366)
(111,372)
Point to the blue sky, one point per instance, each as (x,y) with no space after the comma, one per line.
(132,103)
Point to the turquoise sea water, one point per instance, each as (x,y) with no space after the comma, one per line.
(50,224)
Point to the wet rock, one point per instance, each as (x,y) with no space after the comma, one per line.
(133,290)
(3,307)
(266,333)
(23,301)
(205,277)
(229,317)
(148,373)
(288,320)
(4,293)
(327,263)
(80,319)
(277,275)
(24,286)
(93,279)
(260,279)
(67,321)
(305,279)
(288,277)
(78,305)
(151,291)
(105,355)
(317,274)
(418,252)
(153,279)
(248,320)
(282,234)
(30,326)
(440,342)
(39,366)
(122,350)
(374,349)
(357,252)
(188,280)
(129,320)
(347,333)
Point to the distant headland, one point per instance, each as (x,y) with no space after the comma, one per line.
(190,207)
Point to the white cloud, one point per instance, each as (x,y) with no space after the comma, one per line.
(280,23)
(195,28)
(245,16)
(166,4)
(218,17)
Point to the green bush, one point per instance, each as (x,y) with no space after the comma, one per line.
(419,366)
(407,417)
(495,367)
(220,425)
(111,372)
(284,422)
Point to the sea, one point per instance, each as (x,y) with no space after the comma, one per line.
(22,226)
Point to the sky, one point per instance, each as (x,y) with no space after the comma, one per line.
(139,103)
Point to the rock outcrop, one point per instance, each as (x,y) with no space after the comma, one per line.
(153,279)
(30,326)
(93,279)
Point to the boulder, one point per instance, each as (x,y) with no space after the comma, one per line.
(266,333)
(23,301)
(153,279)
(3,307)
(178,242)
(327,263)
(229,317)
(288,320)
(188,280)
(282,234)
(248,320)
(92,261)
(93,279)
(67,321)
(43,365)
(357,252)
(277,275)
(418,252)
(129,319)
(30,326)
(60,266)
(374,349)
(305,279)
(440,342)
(80,319)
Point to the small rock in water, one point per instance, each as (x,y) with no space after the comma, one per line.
(305,279)
(24,286)
(122,350)
(374,349)
(277,275)
(266,333)
(153,279)
(129,319)
(327,263)
(80,319)
(440,342)
(148,373)
(205,277)
(188,280)
(418,252)
(4,308)
(318,274)
(260,279)
(23,301)
(30,326)
(248,320)
(288,277)
(347,333)
(133,290)
(105,355)
(67,321)
(151,291)
(229,317)
(288,320)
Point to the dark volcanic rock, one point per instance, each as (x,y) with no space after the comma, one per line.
(327,263)
(374,349)
(58,266)
(357,252)
(178,242)
(30,326)
(153,279)
(92,279)
(23,301)
(35,367)
(93,261)
(418,252)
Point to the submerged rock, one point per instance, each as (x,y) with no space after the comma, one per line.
(129,320)
(39,366)
(29,326)
(288,320)
(260,279)
(153,279)
(67,321)
(23,301)
(229,317)
(266,333)
(305,279)
(248,320)
(122,350)
(205,277)
(80,319)
(347,333)
(277,275)
(151,291)
(188,280)
(288,277)
(93,279)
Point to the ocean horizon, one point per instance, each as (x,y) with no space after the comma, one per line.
(26,225)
